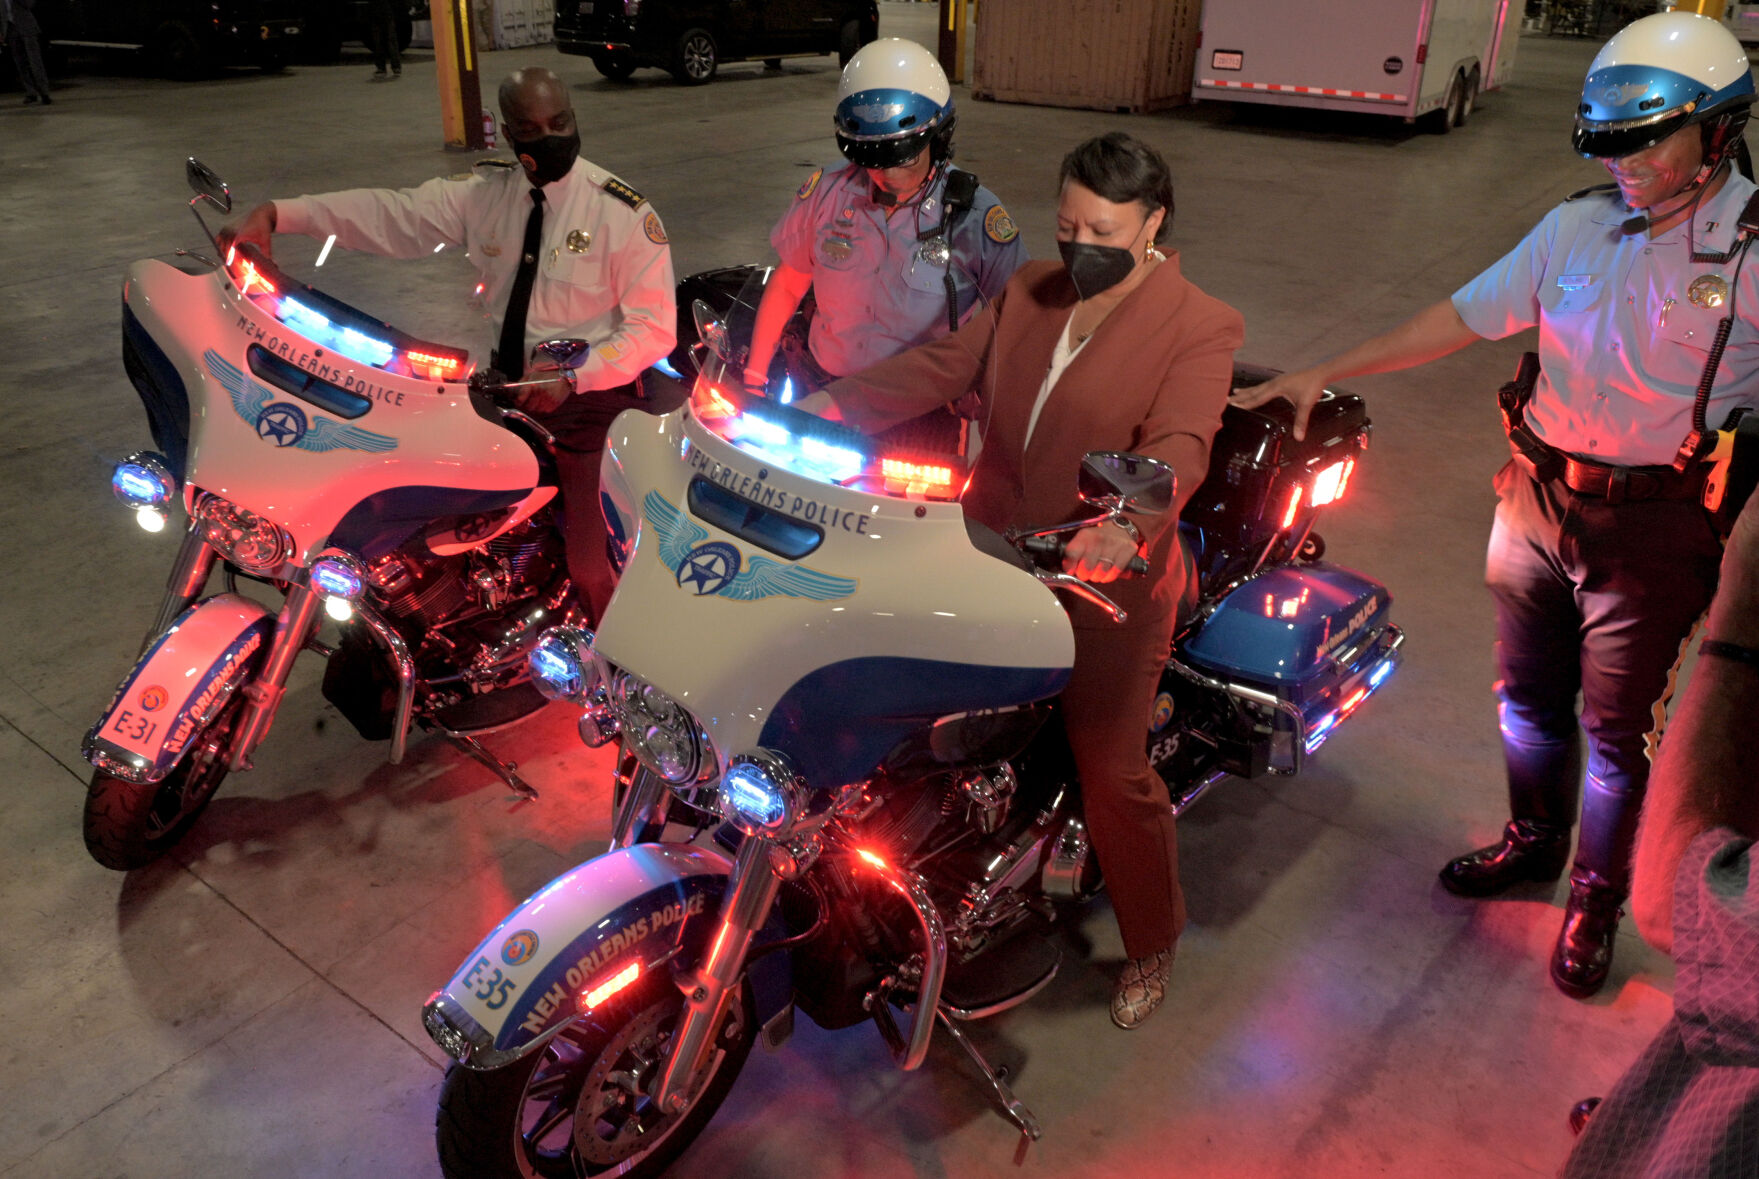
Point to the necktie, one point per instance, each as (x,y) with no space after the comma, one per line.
(510,357)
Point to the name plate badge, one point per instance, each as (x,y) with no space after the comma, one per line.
(1573,282)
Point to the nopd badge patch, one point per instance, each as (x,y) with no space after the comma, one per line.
(282,423)
(1163,712)
(710,568)
(999,226)
(519,948)
(805,190)
(153,699)
(656,233)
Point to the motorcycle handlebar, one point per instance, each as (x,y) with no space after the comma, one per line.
(1047,552)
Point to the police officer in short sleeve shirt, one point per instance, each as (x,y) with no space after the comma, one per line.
(1602,557)
(890,264)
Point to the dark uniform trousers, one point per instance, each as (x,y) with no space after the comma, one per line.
(580,427)
(1598,599)
(1107,707)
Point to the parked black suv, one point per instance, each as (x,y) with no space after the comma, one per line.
(181,38)
(691,38)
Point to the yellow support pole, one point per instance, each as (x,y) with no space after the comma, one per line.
(1710,8)
(951,50)
(461,113)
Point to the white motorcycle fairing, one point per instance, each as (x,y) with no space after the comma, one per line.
(176,688)
(791,613)
(650,906)
(336,451)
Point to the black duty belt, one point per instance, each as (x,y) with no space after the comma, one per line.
(1623,484)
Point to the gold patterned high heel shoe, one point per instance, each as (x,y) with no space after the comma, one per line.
(1142,986)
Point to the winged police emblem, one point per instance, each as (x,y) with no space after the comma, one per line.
(715,567)
(284,423)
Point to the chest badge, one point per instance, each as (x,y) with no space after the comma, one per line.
(579,241)
(1708,291)
(935,251)
(491,250)
(836,248)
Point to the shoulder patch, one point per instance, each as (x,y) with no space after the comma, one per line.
(805,190)
(656,233)
(1591,190)
(999,227)
(623,192)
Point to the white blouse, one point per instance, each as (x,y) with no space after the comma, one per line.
(1060,358)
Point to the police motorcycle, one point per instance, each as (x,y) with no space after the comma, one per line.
(356,471)
(845,788)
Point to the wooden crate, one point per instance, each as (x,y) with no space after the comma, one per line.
(1117,55)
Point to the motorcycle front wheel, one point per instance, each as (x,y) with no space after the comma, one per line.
(581,1104)
(128,826)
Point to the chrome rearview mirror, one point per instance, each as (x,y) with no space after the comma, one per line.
(711,330)
(1118,482)
(207,185)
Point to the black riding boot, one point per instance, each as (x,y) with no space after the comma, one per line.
(1598,885)
(1535,845)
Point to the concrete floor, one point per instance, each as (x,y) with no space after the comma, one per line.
(251,1007)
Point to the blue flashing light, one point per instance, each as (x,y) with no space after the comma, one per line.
(787,390)
(333,579)
(1379,675)
(665,366)
(555,670)
(350,342)
(357,345)
(139,486)
(753,796)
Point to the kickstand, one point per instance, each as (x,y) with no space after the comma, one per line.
(504,770)
(1011,1106)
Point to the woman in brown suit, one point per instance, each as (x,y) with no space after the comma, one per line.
(1110,350)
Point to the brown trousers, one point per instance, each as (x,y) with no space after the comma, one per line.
(1106,708)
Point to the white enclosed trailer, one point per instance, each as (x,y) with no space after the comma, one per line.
(1407,58)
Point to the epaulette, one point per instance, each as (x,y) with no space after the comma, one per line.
(623,192)
(1590,190)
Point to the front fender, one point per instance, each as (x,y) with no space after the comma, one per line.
(654,903)
(177,687)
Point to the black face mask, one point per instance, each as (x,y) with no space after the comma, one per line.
(548,157)
(1095,268)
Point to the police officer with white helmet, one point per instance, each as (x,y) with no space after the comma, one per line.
(1601,556)
(897,245)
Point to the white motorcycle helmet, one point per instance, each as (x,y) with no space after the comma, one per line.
(892,101)
(1659,74)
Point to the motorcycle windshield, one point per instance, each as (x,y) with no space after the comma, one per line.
(328,424)
(794,592)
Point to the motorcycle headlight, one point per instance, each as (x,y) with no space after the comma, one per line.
(144,482)
(561,665)
(662,734)
(761,794)
(241,536)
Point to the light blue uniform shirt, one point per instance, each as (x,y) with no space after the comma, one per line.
(879,293)
(1622,341)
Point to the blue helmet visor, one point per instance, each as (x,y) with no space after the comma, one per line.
(1626,108)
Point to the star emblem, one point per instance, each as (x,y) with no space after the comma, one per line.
(282,424)
(709,569)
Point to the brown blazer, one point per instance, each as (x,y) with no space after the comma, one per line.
(1152,380)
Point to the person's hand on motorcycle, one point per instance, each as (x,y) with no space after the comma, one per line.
(757,382)
(257,228)
(543,395)
(1300,389)
(1099,554)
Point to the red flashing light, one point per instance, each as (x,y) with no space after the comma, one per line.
(615,984)
(435,368)
(1329,484)
(925,473)
(876,861)
(1294,506)
(714,405)
(1356,697)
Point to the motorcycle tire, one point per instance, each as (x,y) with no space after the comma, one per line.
(519,1122)
(128,826)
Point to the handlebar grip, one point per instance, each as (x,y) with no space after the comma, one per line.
(1047,551)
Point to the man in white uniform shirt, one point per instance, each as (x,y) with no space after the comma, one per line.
(563,249)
